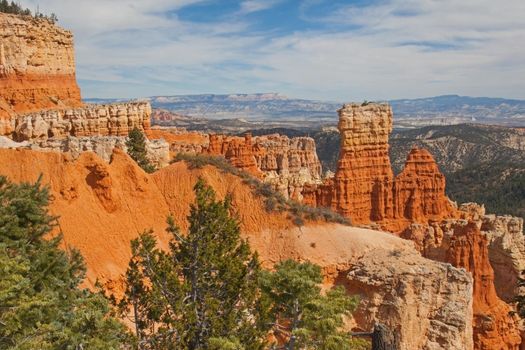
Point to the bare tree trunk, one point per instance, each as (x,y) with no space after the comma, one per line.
(383,338)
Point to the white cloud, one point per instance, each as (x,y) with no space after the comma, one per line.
(250,6)
(400,48)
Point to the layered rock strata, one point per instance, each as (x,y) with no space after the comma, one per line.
(239,151)
(158,151)
(91,120)
(364,188)
(37,68)
(288,163)
(461,243)
(387,296)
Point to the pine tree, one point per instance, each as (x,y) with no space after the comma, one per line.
(203,292)
(306,319)
(41,304)
(136,145)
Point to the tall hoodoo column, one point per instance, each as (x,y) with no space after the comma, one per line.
(363,181)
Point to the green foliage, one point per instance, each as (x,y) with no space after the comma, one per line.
(16,9)
(273,200)
(506,195)
(202,293)
(136,145)
(304,317)
(41,304)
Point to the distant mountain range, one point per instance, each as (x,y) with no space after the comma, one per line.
(440,110)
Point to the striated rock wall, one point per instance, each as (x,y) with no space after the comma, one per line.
(103,146)
(37,67)
(363,180)
(461,243)
(419,190)
(288,163)
(238,150)
(364,188)
(91,120)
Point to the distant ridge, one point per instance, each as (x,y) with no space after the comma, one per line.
(439,110)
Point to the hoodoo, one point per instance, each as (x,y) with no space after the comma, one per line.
(364,188)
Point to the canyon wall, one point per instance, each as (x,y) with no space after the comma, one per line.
(288,163)
(37,67)
(90,120)
(461,243)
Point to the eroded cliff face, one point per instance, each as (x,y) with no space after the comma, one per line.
(447,323)
(363,180)
(37,67)
(461,243)
(419,190)
(364,188)
(91,120)
(288,163)
(118,201)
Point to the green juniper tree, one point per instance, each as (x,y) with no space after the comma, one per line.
(203,292)
(136,145)
(306,319)
(41,304)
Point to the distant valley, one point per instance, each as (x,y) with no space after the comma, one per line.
(408,113)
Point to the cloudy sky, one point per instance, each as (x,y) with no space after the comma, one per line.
(320,49)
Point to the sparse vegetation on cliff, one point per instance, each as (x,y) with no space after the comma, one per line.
(136,145)
(41,303)
(273,200)
(16,9)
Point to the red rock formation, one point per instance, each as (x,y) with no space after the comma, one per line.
(494,327)
(101,207)
(364,189)
(419,191)
(238,150)
(37,68)
(363,180)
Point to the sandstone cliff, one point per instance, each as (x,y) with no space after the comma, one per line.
(91,120)
(118,200)
(288,163)
(103,146)
(461,243)
(37,67)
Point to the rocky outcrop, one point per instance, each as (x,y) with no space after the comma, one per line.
(419,191)
(288,163)
(461,243)
(363,180)
(364,188)
(37,68)
(443,321)
(103,146)
(118,201)
(239,151)
(91,120)
(506,252)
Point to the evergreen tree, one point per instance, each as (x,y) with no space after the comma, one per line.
(305,319)
(136,145)
(203,292)
(41,304)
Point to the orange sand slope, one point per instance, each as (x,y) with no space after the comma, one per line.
(103,206)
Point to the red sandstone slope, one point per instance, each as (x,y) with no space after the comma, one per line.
(103,206)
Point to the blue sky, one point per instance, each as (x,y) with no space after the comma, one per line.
(329,50)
